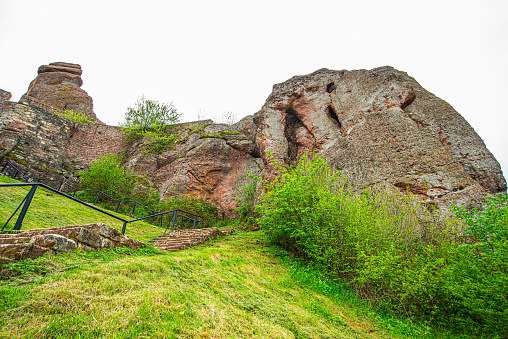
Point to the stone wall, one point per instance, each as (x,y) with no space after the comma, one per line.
(89,143)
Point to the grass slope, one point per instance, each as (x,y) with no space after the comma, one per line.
(52,210)
(232,288)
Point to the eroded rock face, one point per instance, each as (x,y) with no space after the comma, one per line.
(211,163)
(380,126)
(58,86)
(5,96)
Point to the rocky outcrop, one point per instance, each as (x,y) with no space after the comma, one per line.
(207,161)
(5,96)
(57,86)
(380,126)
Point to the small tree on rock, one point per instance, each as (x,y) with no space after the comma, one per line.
(149,115)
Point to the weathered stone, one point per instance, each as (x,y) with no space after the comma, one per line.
(378,126)
(57,87)
(5,96)
(130,243)
(105,231)
(60,67)
(22,251)
(54,242)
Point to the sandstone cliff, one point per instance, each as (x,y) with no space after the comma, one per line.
(58,86)
(379,125)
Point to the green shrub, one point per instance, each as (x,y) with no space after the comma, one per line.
(107,175)
(478,280)
(386,244)
(193,205)
(392,249)
(247,200)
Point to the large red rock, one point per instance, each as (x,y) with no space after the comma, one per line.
(380,126)
(57,87)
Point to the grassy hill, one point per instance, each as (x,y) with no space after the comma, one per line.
(233,287)
(49,209)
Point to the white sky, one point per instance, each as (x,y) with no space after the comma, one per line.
(218,56)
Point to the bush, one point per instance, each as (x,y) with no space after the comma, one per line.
(387,245)
(247,200)
(107,175)
(478,280)
(195,206)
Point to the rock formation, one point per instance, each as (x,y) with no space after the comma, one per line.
(378,125)
(209,161)
(58,86)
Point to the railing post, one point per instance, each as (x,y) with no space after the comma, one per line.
(15,175)
(162,216)
(181,221)
(124,227)
(133,208)
(173,223)
(118,206)
(3,168)
(97,199)
(74,193)
(22,214)
(60,187)
(194,226)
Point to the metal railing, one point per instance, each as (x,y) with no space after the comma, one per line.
(196,219)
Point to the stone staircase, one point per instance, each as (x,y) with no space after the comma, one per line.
(183,239)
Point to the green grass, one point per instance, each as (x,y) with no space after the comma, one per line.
(49,210)
(235,287)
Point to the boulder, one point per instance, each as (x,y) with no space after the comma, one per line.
(54,242)
(380,126)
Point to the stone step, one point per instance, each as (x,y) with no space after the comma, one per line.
(183,239)
(14,240)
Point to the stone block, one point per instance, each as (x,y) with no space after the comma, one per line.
(55,242)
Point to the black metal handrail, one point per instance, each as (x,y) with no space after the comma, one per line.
(197,220)
(75,189)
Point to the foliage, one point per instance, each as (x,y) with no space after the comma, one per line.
(76,117)
(211,135)
(193,205)
(230,133)
(389,247)
(107,175)
(159,141)
(149,114)
(247,200)
(479,279)
(198,128)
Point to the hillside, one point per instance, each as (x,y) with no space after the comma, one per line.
(232,288)
(51,210)
(235,287)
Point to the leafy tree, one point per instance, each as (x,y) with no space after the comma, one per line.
(149,115)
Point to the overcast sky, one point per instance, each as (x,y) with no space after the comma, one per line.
(211,57)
